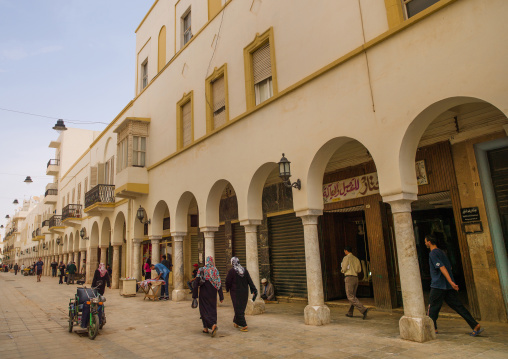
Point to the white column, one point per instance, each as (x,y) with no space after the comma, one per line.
(104,254)
(91,264)
(316,312)
(136,262)
(81,257)
(116,267)
(415,325)
(156,253)
(66,258)
(209,233)
(251,251)
(178,293)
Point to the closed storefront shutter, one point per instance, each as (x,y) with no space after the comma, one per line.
(194,248)
(498,160)
(239,243)
(220,252)
(187,123)
(287,255)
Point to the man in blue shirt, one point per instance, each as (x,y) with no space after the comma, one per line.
(443,287)
(163,272)
(39,265)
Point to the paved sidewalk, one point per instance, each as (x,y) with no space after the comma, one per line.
(33,324)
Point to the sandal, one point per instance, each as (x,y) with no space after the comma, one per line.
(475,333)
(214,330)
(206,331)
(244,329)
(236,325)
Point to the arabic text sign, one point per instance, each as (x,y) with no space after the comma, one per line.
(350,188)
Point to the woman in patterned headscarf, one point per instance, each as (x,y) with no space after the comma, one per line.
(238,282)
(206,285)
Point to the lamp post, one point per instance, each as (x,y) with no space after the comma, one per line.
(285,173)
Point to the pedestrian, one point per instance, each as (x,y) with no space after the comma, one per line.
(110,271)
(54,266)
(238,282)
(61,268)
(166,262)
(101,279)
(443,287)
(162,272)
(147,269)
(71,268)
(22,268)
(194,274)
(268,290)
(206,288)
(38,266)
(351,267)
(16,268)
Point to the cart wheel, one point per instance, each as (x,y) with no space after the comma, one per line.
(93,327)
(71,324)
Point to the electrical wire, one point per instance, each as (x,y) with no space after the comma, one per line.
(55,118)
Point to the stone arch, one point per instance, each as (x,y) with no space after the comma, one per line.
(70,247)
(161,60)
(77,241)
(65,243)
(118,229)
(105,238)
(182,210)
(107,148)
(253,207)
(94,235)
(158,217)
(213,202)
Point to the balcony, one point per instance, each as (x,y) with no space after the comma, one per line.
(53,167)
(99,199)
(45,227)
(132,182)
(51,196)
(72,215)
(55,224)
(37,235)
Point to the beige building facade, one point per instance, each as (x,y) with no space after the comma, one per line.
(392,114)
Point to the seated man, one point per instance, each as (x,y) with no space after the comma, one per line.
(163,272)
(268,293)
(85,295)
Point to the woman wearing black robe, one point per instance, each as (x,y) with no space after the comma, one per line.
(238,282)
(208,295)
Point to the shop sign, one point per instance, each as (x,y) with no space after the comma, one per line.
(350,188)
(470,214)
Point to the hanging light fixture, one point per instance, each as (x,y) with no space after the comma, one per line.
(15,202)
(2,226)
(7,216)
(59,126)
(28,180)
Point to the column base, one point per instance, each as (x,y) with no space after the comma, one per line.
(178,295)
(255,308)
(317,315)
(417,329)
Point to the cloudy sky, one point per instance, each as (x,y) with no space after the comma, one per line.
(66,59)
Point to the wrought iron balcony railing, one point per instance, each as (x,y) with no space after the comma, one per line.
(71,211)
(51,192)
(53,162)
(102,193)
(55,221)
(45,223)
(38,232)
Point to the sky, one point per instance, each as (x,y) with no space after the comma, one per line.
(67,59)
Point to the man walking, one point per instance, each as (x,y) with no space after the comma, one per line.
(72,270)
(443,287)
(16,268)
(351,266)
(54,266)
(39,265)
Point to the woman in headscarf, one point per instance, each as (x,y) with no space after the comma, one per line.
(101,278)
(238,282)
(208,283)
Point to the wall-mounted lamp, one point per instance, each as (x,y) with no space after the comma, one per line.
(82,234)
(285,173)
(141,214)
(58,241)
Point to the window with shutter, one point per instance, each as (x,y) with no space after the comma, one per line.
(85,189)
(187,124)
(262,71)
(101,173)
(413,7)
(79,193)
(219,102)
(93,176)
(112,170)
(73,195)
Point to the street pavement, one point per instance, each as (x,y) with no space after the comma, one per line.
(33,324)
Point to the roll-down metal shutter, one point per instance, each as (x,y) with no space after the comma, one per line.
(220,252)
(287,255)
(194,248)
(498,160)
(239,243)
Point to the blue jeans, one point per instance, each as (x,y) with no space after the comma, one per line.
(165,286)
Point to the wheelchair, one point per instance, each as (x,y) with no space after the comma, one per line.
(78,306)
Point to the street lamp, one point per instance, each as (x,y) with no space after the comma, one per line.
(141,214)
(59,126)
(82,234)
(15,201)
(285,173)
(7,216)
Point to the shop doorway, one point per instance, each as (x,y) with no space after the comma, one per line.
(338,229)
(433,214)
(498,162)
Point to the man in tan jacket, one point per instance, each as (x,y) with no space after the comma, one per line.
(351,266)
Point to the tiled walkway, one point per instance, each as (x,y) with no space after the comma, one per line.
(33,324)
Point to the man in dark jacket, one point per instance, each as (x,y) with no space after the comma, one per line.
(72,269)
(166,262)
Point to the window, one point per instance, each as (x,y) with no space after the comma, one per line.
(219,102)
(144,74)
(138,151)
(122,154)
(216,92)
(73,195)
(186,27)
(85,187)
(79,193)
(413,7)
(185,122)
(260,74)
